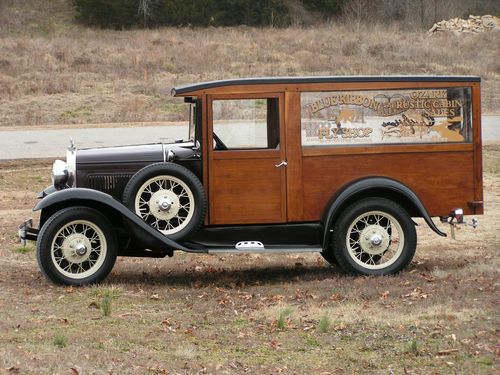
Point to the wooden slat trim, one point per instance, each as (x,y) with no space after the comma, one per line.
(478,154)
(282,145)
(210,154)
(385,149)
(295,194)
(204,153)
(259,95)
(246,154)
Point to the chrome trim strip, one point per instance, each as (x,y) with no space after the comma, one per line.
(276,250)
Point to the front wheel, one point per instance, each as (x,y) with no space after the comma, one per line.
(374,236)
(76,246)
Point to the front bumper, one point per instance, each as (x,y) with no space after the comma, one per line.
(27,232)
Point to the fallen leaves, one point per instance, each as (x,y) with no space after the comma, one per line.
(337,297)
(416,294)
(385,295)
(447,351)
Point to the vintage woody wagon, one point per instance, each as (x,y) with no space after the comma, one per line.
(335,165)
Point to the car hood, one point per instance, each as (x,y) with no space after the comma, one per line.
(149,153)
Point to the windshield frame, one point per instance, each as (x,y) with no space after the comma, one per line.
(192,122)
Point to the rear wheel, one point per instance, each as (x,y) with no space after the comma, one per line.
(76,246)
(374,236)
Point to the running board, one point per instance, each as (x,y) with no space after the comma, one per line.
(258,247)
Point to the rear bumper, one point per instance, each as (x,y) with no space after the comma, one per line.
(27,232)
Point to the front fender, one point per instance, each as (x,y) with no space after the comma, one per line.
(82,196)
(363,187)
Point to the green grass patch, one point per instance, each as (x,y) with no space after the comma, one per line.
(486,361)
(324,324)
(412,347)
(24,249)
(78,112)
(60,340)
(107,295)
(282,317)
(106,304)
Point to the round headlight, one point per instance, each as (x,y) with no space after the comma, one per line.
(59,173)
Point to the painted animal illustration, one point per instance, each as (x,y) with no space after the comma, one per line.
(349,115)
(444,131)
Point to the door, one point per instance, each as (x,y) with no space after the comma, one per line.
(247,161)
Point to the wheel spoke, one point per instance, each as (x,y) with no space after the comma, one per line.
(173,185)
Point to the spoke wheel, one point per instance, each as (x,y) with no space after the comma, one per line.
(375,240)
(78,249)
(166,203)
(169,197)
(374,236)
(76,246)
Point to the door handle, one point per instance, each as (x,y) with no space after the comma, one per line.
(282,164)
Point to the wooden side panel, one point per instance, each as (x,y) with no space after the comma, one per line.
(247,191)
(442,180)
(295,207)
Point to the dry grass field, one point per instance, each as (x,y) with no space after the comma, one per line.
(269,314)
(53,71)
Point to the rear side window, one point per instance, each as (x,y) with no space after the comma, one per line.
(386,116)
(247,123)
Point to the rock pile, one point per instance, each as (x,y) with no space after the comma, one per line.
(474,24)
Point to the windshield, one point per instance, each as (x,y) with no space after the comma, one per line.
(192,121)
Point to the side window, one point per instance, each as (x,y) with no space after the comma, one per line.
(246,123)
(386,116)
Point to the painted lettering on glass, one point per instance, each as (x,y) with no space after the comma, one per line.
(386,116)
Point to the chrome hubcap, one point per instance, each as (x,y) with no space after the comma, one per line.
(376,239)
(80,249)
(164,204)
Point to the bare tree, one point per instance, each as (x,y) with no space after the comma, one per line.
(356,11)
(144,11)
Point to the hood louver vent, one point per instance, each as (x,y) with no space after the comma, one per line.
(112,184)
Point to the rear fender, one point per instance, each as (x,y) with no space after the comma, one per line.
(369,187)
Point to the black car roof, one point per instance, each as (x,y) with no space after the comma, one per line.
(319,79)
